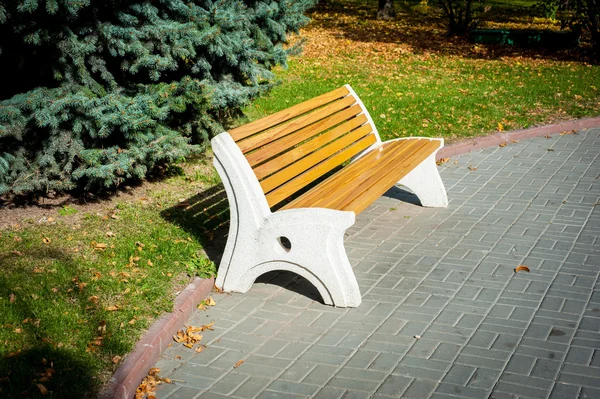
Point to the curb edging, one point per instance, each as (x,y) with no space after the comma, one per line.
(129,375)
(477,143)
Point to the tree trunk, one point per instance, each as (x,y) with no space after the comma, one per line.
(386,9)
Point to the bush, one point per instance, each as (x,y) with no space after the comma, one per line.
(96,92)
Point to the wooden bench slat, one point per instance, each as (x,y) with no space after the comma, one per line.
(359,184)
(334,196)
(308,147)
(262,154)
(355,168)
(360,203)
(292,186)
(368,181)
(277,132)
(249,129)
(332,147)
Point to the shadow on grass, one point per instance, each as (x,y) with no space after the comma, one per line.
(45,346)
(206,217)
(58,370)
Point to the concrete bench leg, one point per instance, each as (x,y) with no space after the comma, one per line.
(308,242)
(426,183)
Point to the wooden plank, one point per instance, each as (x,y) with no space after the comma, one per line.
(376,190)
(306,148)
(251,128)
(289,172)
(287,142)
(277,132)
(348,175)
(292,186)
(392,164)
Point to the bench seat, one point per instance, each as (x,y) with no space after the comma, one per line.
(295,181)
(359,184)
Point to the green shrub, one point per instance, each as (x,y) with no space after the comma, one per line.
(96,92)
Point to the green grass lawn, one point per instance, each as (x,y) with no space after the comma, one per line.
(78,290)
(415,81)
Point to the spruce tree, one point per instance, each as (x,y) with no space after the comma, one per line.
(98,91)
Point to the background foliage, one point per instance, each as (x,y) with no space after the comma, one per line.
(95,92)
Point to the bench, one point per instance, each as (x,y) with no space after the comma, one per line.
(284,218)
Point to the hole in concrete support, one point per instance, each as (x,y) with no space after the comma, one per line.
(285,243)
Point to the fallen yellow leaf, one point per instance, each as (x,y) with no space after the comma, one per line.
(43,390)
(238,364)
(46,240)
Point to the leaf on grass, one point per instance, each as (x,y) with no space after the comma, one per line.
(238,364)
(116,359)
(93,299)
(522,268)
(500,127)
(43,390)
(12,298)
(111,308)
(99,245)
(13,354)
(110,234)
(46,240)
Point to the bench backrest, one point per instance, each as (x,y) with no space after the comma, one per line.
(292,148)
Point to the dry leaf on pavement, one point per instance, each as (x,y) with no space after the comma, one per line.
(238,364)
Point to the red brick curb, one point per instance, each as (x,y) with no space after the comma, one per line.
(128,377)
(477,143)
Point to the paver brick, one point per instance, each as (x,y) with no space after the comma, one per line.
(320,374)
(461,391)
(394,386)
(419,389)
(294,388)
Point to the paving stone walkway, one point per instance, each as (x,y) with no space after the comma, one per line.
(443,313)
